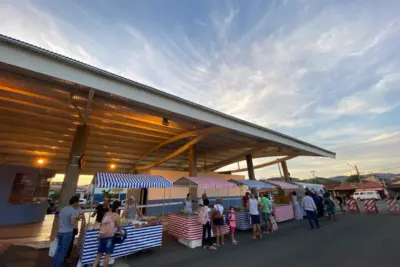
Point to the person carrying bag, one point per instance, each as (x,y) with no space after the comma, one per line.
(204,220)
(110,225)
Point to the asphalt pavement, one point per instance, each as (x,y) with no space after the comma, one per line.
(356,240)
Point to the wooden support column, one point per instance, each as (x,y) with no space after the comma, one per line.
(286,174)
(192,160)
(72,172)
(250,171)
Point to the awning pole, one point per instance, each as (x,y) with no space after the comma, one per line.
(170,195)
(91,206)
(163,207)
(227,192)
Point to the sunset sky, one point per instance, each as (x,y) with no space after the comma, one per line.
(326,72)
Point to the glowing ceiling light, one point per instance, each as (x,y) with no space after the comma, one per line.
(40,161)
(113,166)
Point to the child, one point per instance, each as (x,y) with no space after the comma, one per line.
(330,207)
(232,224)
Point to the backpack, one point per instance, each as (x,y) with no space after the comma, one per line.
(217,214)
(227,218)
(107,228)
(202,217)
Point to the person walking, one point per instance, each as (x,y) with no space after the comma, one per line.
(319,202)
(311,210)
(298,215)
(266,211)
(218,221)
(205,221)
(254,212)
(109,225)
(340,200)
(68,220)
(330,207)
(232,224)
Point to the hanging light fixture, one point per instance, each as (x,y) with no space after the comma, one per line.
(165,122)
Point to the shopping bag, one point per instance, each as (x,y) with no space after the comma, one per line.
(274,225)
(53,247)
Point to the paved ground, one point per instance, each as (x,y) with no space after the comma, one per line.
(355,240)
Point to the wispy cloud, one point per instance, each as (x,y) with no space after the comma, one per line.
(299,68)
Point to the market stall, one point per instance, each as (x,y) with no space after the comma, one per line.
(282,206)
(184,225)
(242,215)
(143,233)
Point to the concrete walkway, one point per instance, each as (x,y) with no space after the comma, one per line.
(355,240)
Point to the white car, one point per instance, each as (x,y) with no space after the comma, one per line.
(361,195)
(82,201)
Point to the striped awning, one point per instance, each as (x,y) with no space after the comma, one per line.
(129,180)
(203,182)
(253,184)
(282,185)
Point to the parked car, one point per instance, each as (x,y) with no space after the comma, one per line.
(361,195)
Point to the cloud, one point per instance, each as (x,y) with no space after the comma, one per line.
(296,68)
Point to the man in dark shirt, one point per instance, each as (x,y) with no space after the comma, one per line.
(102,209)
(340,200)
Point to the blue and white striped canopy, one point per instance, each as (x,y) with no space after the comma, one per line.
(253,184)
(129,180)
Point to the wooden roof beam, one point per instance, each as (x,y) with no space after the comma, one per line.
(277,161)
(200,132)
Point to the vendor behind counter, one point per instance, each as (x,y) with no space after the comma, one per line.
(102,209)
(130,210)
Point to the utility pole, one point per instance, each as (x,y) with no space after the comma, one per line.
(358,174)
(359,177)
(315,178)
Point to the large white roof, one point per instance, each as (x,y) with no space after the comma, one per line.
(125,116)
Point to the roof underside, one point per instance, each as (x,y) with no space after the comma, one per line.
(39,114)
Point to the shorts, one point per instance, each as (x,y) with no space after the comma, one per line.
(331,211)
(255,219)
(106,245)
(267,216)
(218,222)
(232,228)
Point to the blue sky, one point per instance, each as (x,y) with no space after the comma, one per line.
(327,72)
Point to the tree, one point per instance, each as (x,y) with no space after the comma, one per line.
(105,193)
(353,179)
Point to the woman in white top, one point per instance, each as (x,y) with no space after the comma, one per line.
(130,210)
(254,211)
(298,215)
(218,221)
(187,203)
